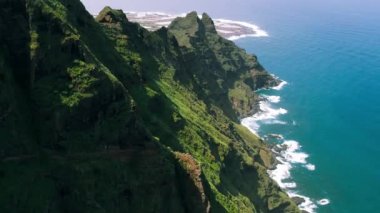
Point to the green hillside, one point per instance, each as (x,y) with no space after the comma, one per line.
(101,115)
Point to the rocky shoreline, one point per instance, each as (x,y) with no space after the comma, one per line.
(277,151)
(277,148)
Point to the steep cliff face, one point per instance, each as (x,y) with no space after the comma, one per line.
(104,116)
(15,118)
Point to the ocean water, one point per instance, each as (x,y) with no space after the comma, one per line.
(327,117)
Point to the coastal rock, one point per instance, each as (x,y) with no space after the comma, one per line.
(298,200)
(276,136)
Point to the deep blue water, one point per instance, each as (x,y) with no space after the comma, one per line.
(331,60)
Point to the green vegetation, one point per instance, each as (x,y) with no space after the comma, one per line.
(108,117)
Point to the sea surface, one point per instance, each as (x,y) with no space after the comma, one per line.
(326,119)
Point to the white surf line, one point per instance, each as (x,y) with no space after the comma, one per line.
(288,152)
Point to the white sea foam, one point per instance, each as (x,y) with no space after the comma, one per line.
(251,124)
(288,153)
(267,114)
(310,167)
(234,38)
(226,31)
(291,152)
(258,32)
(143,14)
(289,185)
(281,173)
(324,202)
(272,98)
(275,122)
(280,86)
(308,205)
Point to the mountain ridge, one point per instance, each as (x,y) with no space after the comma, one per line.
(229,29)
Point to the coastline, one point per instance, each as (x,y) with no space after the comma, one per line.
(287,153)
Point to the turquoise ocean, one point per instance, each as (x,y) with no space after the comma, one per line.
(326,119)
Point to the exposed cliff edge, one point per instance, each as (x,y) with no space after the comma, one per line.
(105,116)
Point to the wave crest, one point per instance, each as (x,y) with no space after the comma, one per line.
(324,202)
(272,98)
(280,86)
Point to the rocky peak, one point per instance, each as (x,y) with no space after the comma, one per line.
(189,23)
(192,15)
(111,16)
(192,24)
(208,23)
(191,28)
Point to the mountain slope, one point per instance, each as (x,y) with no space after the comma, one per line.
(105,116)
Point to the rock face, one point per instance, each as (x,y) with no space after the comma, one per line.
(104,116)
(298,200)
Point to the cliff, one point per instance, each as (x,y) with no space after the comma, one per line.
(104,116)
